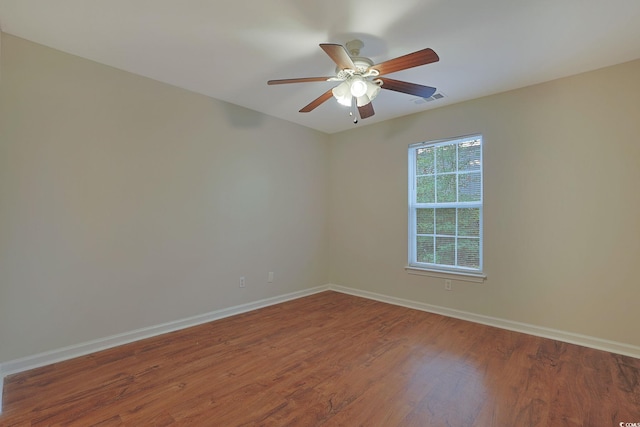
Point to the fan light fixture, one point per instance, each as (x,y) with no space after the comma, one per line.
(356,87)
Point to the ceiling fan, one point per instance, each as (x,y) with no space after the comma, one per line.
(361,80)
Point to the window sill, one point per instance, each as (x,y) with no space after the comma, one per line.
(444,274)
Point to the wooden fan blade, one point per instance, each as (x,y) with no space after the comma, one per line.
(366,110)
(316,102)
(415,59)
(406,87)
(300,80)
(339,54)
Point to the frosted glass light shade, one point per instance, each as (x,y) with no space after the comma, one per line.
(372,90)
(342,93)
(362,100)
(358,86)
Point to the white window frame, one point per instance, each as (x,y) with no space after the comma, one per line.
(439,270)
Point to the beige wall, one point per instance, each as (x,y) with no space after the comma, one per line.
(562,205)
(126,203)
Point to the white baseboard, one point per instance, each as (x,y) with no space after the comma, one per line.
(66,353)
(82,349)
(568,337)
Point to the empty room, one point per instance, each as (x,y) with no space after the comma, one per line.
(286,213)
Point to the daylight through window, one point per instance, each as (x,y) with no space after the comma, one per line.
(445,205)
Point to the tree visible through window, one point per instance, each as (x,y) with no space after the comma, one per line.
(445,205)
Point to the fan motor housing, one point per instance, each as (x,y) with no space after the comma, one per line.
(362,64)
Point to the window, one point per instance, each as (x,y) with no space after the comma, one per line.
(445,205)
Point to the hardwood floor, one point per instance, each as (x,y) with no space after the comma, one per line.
(335,360)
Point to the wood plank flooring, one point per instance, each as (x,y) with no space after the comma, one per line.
(334,360)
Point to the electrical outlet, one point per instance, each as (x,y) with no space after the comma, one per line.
(242,282)
(447,284)
(270,277)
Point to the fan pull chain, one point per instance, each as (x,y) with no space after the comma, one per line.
(353,112)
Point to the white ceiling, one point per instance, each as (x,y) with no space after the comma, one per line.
(228,49)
